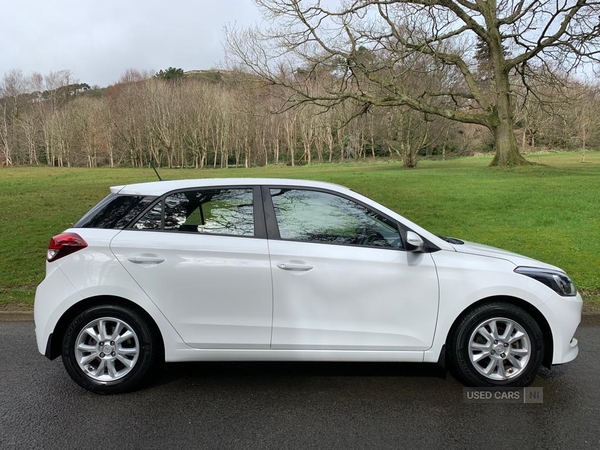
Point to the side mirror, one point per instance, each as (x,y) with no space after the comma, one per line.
(414,242)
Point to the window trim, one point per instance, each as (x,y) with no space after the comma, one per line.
(257,211)
(273,228)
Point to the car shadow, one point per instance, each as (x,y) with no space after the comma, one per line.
(287,375)
(270,372)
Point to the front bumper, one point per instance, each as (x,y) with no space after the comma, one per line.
(564,316)
(572,351)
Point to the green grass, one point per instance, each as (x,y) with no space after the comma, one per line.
(550,212)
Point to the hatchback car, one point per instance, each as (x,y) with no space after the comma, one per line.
(288,270)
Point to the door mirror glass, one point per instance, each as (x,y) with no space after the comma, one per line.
(414,242)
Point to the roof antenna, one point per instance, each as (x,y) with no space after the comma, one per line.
(155,171)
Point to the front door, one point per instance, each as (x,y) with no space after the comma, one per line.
(342,280)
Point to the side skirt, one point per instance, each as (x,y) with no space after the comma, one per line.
(189,354)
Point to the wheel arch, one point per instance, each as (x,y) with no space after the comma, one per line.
(528,308)
(53,347)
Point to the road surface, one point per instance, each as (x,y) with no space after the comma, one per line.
(290,405)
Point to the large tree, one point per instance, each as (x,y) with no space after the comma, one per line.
(518,38)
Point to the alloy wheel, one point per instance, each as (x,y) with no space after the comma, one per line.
(499,348)
(107,349)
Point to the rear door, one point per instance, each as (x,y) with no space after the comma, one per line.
(202,256)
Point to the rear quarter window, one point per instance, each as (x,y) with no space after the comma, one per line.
(115,211)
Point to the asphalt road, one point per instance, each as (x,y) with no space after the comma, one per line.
(290,405)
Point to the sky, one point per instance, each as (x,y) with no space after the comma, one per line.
(98,40)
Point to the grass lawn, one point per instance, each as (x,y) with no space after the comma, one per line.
(550,212)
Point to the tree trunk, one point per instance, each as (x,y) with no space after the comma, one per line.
(505,141)
(409,158)
(507,151)
(583,139)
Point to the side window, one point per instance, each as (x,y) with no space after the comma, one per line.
(207,211)
(313,216)
(115,211)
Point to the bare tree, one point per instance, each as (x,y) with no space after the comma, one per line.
(11,87)
(132,75)
(201,122)
(587,121)
(427,35)
(163,104)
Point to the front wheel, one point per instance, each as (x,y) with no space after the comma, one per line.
(496,344)
(109,349)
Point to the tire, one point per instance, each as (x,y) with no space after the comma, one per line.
(511,360)
(114,360)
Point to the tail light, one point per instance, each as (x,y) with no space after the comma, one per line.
(64,244)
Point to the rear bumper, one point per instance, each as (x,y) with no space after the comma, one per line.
(51,292)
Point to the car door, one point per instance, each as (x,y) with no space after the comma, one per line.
(202,256)
(341,278)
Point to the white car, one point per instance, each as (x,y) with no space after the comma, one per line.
(288,270)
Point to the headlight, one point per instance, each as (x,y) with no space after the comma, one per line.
(558,281)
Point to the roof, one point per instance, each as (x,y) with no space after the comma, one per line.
(161,187)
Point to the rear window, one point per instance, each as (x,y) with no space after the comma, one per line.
(115,211)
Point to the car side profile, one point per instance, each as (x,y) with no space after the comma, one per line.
(289,270)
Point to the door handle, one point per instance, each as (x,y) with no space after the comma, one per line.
(145,259)
(294,266)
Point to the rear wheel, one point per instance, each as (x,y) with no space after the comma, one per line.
(496,344)
(109,349)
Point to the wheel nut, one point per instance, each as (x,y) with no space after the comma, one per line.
(493,352)
(506,344)
(112,354)
(101,355)
(503,355)
(101,344)
(112,342)
(495,342)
